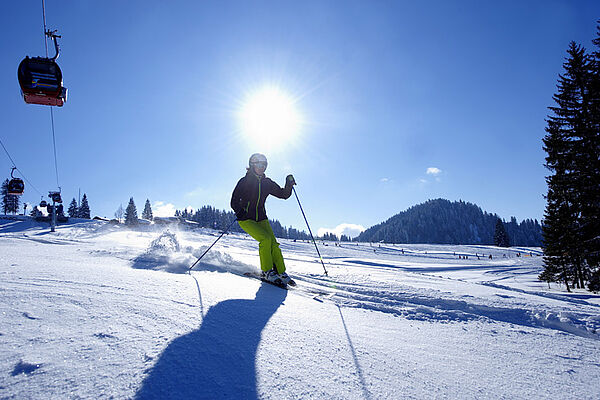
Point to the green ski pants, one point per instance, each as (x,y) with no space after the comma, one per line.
(268,248)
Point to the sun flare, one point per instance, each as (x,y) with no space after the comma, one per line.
(269,118)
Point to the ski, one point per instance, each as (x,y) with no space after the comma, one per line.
(315,294)
(278,284)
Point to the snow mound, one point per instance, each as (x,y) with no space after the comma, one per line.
(165,253)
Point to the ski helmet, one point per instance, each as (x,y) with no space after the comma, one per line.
(258,159)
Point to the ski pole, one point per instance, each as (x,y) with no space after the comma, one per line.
(215,242)
(311,235)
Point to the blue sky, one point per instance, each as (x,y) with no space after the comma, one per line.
(401,101)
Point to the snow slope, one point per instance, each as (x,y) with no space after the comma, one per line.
(99,311)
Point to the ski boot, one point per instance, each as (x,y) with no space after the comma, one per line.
(271,276)
(285,278)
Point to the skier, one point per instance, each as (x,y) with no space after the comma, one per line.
(248,203)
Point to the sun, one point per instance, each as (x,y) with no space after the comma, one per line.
(269,118)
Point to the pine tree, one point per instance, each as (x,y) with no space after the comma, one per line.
(84,209)
(590,162)
(501,238)
(557,264)
(564,227)
(73,210)
(131,216)
(5,198)
(147,213)
(10,202)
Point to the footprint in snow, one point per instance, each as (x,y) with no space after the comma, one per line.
(28,316)
(104,336)
(25,368)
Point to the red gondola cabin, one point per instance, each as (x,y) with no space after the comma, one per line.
(41,82)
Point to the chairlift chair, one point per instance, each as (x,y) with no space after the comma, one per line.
(40,79)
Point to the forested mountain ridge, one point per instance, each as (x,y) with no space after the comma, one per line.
(441,221)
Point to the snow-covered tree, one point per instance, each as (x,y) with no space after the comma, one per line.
(131,215)
(147,213)
(73,210)
(84,209)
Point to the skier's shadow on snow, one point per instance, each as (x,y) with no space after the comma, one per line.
(218,359)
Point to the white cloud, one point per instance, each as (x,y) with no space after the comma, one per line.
(197,192)
(433,171)
(350,230)
(384,180)
(161,209)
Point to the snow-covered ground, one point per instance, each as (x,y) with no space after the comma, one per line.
(99,311)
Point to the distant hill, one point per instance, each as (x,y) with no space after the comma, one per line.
(441,221)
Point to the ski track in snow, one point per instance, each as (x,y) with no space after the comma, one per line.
(100,311)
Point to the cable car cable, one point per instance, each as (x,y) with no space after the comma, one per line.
(51,111)
(6,151)
(15,166)
(44,21)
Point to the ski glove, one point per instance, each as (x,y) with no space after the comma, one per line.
(289,180)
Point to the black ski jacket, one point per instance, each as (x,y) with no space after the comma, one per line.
(250,193)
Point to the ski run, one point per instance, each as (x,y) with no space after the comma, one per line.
(97,311)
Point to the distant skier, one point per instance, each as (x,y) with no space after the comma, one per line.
(248,203)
